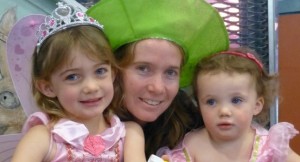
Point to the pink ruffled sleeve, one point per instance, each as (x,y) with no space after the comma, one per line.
(277,145)
(37,118)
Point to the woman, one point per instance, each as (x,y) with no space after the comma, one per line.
(157,44)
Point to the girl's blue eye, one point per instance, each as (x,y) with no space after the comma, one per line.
(101,71)
(211,102)
(236,100)
(72,77)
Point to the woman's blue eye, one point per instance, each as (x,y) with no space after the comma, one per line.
(143,69)
(211,102)
(171,73)
(72,77)
(236,100)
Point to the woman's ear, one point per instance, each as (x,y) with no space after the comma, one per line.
(113,75)
(259,105)
(45,88)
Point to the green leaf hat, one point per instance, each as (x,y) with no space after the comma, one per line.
(195,25)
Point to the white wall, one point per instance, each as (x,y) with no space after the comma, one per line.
(26,7)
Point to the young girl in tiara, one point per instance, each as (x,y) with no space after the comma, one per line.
(72,81)
(234,94)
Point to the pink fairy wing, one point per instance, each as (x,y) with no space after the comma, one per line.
(21,42)
(20,46)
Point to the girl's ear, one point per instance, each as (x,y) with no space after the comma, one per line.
(259,105)
(45,88)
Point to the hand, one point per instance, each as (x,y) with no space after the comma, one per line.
(165,158)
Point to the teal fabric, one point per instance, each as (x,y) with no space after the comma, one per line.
(194,25)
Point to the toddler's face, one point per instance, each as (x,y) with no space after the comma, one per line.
(227,103)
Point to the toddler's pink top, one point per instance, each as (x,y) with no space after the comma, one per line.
(73,142)
(268,146)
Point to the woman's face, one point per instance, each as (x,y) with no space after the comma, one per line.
(151,81)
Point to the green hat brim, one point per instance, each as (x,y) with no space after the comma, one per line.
(194,25)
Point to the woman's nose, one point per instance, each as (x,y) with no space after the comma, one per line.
(156,84)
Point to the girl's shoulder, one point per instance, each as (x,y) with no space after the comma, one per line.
(196,137)
(133,130)
(34,144)
(130,125)
(38,135)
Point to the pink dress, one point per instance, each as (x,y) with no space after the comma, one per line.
(73,142)
(268,146)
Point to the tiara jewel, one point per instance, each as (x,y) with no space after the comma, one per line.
(63,17)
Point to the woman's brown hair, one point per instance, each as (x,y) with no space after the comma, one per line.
(171,126)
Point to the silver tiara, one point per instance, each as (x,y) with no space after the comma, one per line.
(63,17)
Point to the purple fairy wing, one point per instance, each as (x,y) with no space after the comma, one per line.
(20,46)
(8,144)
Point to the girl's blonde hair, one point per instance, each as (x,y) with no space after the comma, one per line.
(56,52)
(266,84)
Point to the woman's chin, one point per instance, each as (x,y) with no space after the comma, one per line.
(146,119)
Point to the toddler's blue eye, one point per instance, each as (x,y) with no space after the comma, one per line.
(236,100)
(211,102)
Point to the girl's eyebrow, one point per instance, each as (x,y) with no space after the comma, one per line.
(68,71)
(77,69)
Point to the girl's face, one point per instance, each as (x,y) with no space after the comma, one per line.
(227,103)
(152,81)
(84,87)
